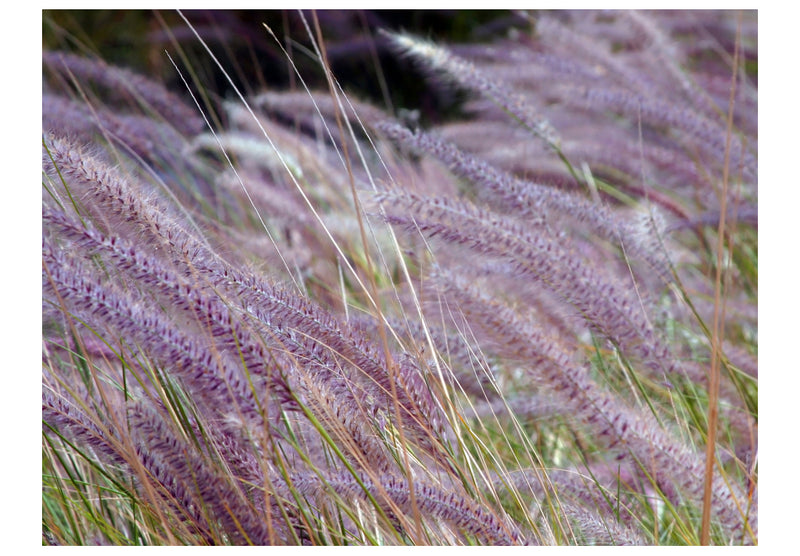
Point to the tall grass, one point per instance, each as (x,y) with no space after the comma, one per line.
(287,317)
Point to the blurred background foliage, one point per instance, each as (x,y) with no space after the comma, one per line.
(360,57)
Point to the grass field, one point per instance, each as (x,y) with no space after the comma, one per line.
(513,302)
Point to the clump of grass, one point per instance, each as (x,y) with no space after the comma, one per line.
(286,318)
